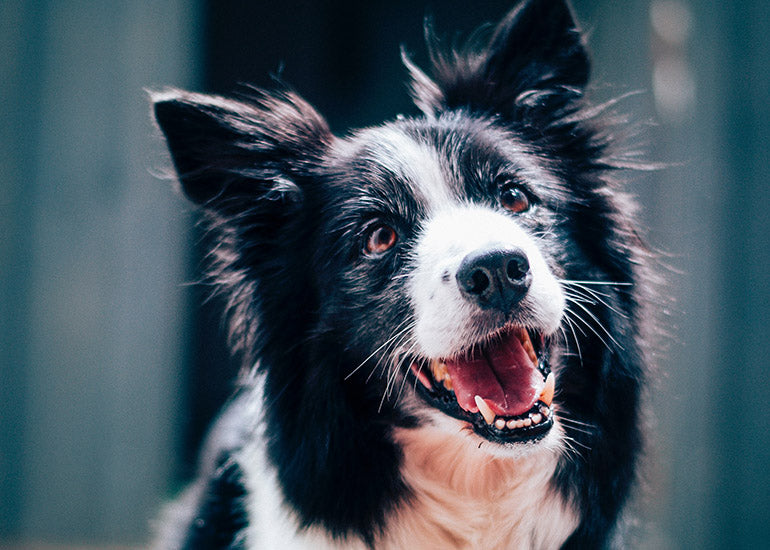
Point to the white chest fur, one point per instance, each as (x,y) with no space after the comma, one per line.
(461,499)
(467,499)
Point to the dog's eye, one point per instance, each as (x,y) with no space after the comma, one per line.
(380,239)
(514,199)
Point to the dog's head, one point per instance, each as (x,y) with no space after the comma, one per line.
(413,268)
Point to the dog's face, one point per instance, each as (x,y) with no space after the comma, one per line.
(424,255)
(439,242)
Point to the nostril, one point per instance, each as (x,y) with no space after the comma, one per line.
(480,282)
(496,278)
(517,268)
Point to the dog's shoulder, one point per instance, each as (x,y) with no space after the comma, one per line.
(211,512)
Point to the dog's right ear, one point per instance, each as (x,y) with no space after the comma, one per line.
(228,153)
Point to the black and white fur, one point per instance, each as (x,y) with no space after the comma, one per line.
(328,443)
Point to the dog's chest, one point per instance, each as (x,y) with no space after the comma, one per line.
(464,499)
(460,499)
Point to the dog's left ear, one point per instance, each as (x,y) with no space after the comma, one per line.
(535,58)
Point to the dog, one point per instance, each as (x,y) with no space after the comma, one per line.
(443,317)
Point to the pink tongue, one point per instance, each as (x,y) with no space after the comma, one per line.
(502,373)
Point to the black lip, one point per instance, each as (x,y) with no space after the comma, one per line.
(444,400)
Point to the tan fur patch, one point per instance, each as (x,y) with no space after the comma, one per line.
(465,497)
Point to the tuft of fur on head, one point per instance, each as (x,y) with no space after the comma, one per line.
(517,72)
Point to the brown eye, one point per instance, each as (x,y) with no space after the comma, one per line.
(514,199)
(381,239)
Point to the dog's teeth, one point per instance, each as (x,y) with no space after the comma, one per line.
(546,396)
(441,374)
(527,422)
(536,418)
(500,423)
(530,351)
(545,410)
(439,370)
(527,344)
(485,410)
(511,424)
(422,377)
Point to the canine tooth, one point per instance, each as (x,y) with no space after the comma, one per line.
(537,418)
(531,352)
(512,424)
(448,383)
(546,396)
(438,368)
(500,423)
(527,344)
(485,410)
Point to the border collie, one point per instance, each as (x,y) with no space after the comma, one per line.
(441,316)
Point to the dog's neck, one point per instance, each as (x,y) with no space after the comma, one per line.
(465,497)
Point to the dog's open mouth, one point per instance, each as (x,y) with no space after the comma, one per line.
(503,387)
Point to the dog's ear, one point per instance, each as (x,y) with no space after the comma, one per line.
(229,153)
(535,58)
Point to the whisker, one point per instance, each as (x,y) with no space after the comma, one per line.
(389,356)
(578,287)
(391,380)
(600,325)
(571,324)
(588,325)
(601,283)
(564,417)
(596,296)
(389,340)
(395,362)
(579,298)
(406,373)
(575,428)
(576,442)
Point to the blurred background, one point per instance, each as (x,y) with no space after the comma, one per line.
(111,362)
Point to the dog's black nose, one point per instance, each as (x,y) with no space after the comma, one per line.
(497,278)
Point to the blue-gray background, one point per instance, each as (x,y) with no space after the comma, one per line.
(103,347)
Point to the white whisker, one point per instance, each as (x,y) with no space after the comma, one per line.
(577,317)
(571,325)
(388,341)
(600,325)
(604,283)
(596,295)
